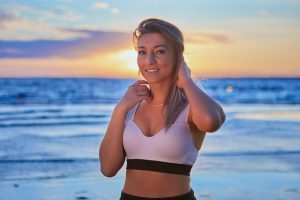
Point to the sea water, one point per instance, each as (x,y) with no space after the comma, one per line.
(50,131)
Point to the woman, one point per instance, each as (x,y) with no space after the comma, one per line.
(160,122)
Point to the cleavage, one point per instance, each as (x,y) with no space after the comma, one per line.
(149,124)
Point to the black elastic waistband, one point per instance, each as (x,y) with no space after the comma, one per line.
(188,196)
(159,166)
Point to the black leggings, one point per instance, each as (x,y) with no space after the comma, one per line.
(188,196)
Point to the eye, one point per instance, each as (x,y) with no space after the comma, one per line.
(141,52)
(161,51)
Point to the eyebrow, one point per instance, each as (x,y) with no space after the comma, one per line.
(156,46)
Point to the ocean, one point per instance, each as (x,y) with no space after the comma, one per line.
(51,128)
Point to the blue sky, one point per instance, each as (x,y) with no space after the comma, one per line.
(241,34)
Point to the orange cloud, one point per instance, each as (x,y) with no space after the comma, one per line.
(208,38)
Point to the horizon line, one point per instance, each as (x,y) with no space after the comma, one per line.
(129,78)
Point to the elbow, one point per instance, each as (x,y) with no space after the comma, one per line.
(212,127)
(212,124)
(222,117)
(110,167)
(107,172)
(216,123)
(106,169)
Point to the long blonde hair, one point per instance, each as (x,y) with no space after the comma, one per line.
(176,99)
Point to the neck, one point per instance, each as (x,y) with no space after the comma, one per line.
(159,92)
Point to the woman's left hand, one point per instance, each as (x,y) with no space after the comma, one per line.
(184,73)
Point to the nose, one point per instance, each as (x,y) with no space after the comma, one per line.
(150,59)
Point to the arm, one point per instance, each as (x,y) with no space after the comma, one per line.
(205,112)
(111,151)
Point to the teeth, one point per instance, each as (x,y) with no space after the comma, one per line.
(152,70)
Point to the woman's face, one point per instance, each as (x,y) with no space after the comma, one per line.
(155,58)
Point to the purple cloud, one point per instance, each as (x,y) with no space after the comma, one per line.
(96,42)
(4,17)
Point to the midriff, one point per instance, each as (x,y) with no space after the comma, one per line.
(155,184)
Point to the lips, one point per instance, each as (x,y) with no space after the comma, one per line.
(152,70)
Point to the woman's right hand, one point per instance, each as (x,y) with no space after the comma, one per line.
(135,94)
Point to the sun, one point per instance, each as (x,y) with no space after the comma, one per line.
(121,63)
(128,59)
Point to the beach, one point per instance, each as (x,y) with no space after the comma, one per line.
(51,129)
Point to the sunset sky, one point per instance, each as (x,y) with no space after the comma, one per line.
(85,38)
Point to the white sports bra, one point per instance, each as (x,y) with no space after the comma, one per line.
(168,151)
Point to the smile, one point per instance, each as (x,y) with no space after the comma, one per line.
(152,70)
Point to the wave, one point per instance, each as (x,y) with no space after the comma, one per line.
(75,136)
(79,123)
(213,154)
(88,91)
(43,177)
(56,160)
(53,117)
(32,111)
(252,153)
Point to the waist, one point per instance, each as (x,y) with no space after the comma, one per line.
(155,184)
(187,196)
(159,166)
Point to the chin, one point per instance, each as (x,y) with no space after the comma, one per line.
(156,80)
(152,81)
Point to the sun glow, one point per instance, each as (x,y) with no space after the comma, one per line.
(128,59)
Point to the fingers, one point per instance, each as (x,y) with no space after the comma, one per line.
(139,82)
(140,87)
(141,90)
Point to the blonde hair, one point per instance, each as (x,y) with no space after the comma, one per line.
(176,99)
